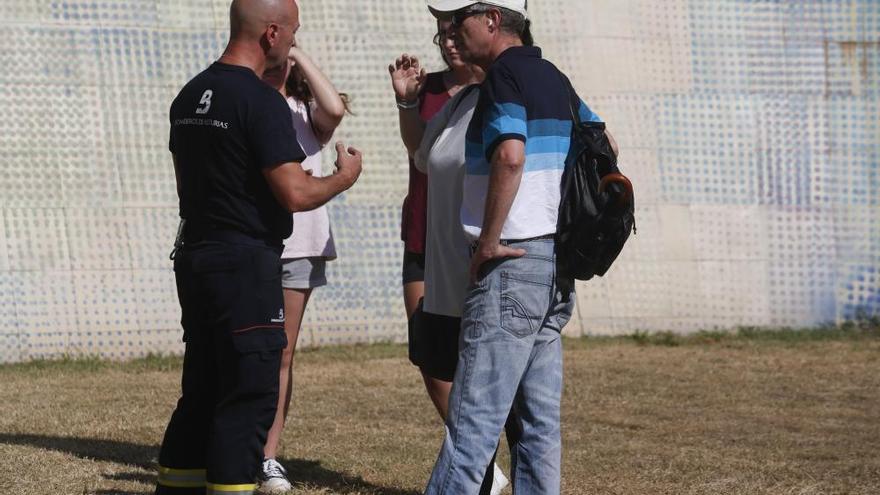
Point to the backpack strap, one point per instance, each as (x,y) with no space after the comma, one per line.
(463,94)
(572,97)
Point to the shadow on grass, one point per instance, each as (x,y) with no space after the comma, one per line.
(132,454)
(142,456)
(306,472)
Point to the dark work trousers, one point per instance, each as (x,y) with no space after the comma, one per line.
(233,326)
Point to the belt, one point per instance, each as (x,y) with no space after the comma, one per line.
(187,235)
(507,242)
(230,236)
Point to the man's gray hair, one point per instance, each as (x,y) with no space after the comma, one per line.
(512,22)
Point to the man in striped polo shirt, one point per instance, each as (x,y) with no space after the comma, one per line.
(510,353)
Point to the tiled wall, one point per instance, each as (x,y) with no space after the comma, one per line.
(751,130)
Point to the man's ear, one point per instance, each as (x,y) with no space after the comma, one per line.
(272,31)
(494,19)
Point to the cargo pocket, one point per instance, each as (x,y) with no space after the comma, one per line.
(525,301)
(259,356)
(261,301)
(259,339)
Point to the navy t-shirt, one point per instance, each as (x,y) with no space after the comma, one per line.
(227,125)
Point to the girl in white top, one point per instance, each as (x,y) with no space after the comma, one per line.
(317,109)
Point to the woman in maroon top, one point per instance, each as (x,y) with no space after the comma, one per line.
(433,94)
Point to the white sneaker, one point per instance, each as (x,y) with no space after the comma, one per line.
(273,478)
(499,481)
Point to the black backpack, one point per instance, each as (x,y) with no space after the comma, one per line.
(596,208)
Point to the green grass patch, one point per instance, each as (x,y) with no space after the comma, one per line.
(868,329)
(91,364)
(848,331)
(356,352)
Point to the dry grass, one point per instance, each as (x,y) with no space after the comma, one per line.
(706,415)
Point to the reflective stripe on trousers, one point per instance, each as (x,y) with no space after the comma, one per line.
(216,489)
(181,478)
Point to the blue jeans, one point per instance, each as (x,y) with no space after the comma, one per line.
(510,357)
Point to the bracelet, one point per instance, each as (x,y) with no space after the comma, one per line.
(407,105)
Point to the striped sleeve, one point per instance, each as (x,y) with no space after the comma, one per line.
(505,114)
(587,115)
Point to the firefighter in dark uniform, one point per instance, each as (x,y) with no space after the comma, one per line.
(236,159)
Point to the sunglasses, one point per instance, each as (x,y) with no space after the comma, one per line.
(459,16)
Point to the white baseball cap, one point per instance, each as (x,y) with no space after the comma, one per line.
(520,6)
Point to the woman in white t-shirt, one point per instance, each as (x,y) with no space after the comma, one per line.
(317,109)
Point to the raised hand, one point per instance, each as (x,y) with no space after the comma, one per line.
(407,77)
